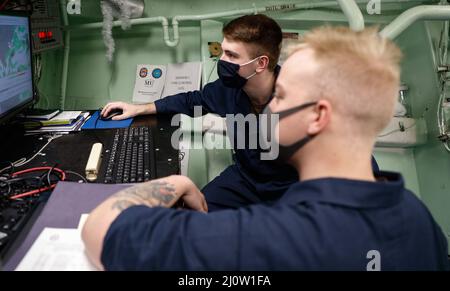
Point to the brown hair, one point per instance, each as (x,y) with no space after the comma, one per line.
(261,31)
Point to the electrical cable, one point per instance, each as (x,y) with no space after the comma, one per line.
(11,167)
(5,183)
(216,60)
(48,175)
(4,4)
(76,174)
(23,161)
(397,130)
(32,192)
(40,189)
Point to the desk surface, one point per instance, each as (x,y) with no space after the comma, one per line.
(63,210)
(71,152)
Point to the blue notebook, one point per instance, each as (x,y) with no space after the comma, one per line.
(95,123)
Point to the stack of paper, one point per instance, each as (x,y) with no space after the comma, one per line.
(66,121)
(39,114)
(57,249)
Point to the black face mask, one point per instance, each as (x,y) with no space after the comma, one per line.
(229,74)
(284,152)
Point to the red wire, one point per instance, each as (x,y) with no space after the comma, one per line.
(63,174)
(4,4)
(29,193)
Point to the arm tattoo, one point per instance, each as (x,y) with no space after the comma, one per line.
(121,205)
(158,193)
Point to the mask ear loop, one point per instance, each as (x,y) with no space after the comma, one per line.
(250,75)
(287,112)
(249,62)
(286,151)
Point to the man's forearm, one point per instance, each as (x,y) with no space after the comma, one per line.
(155,193)
(147,109)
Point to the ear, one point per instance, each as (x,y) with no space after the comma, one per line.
(263,63)
(322,116)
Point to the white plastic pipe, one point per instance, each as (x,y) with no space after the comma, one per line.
(353,14)
(350,11)
(254,10)
(349,7)
(421,12)
(138,21)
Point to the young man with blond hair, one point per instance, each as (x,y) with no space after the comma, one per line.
(334,95)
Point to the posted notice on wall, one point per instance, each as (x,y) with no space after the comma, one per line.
(182,77)
(150,80)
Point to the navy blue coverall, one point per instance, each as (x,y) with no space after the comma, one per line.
(249,180)
(320,224)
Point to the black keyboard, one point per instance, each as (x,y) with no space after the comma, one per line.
(131,156)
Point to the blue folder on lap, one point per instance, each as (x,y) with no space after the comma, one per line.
(95,123)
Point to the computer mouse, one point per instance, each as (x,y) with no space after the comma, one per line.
(111,114)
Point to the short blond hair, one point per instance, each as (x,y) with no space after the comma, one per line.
(359,74)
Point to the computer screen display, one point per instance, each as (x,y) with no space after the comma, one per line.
(16,76)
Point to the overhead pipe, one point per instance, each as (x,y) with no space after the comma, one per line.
(176,19)
(348,6)
(136,21)
(353,13)
(421,12)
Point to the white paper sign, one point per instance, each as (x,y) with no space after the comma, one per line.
(149,83)
(182,78)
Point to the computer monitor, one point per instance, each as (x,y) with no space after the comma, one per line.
(16,70)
